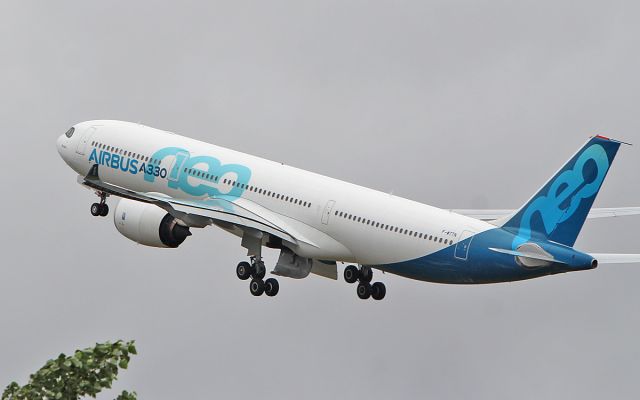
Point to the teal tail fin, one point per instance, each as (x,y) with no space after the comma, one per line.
(558,211)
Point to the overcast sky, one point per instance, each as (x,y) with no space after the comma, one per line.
(458,104)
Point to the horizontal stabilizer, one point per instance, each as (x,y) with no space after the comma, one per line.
(547,258)
(604,258)
(491,215)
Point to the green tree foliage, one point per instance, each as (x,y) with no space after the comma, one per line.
(86,373)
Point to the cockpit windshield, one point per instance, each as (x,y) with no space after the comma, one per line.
(69,133)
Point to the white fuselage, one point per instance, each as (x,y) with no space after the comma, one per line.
(347,222)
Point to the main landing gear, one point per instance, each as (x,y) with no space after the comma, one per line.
(365,289)
(100,209)
(257,271)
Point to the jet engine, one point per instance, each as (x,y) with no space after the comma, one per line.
(149,224)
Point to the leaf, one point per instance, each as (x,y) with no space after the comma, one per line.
(86,373)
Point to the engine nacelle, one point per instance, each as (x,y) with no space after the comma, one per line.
(148,224)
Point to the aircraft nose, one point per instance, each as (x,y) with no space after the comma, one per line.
(60,144)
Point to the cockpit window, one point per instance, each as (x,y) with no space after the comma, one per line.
(70,132)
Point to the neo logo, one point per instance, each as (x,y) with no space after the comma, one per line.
(182,175)
(566,193)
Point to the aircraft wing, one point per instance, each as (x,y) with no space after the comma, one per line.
(616,258)
(491,215)
(227,212)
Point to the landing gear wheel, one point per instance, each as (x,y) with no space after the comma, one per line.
(258,271)
(104,210)
(364,290)
(271,287)
(243,270)
(351,274)
(256,287)
(96,209)
(366,274)
(378,291)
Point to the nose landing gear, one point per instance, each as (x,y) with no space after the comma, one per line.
(365,289)
(100,209)
(257,271)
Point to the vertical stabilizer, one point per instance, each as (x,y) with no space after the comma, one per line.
(558,211)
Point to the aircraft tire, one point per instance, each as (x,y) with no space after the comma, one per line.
(104,210)
(364,290)
(243,271)
(256,287)
(351,274)
(366,274)
(258,271)
(378,291)
(95,209)
(271,287)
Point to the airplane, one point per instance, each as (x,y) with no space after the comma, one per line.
(169,184)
